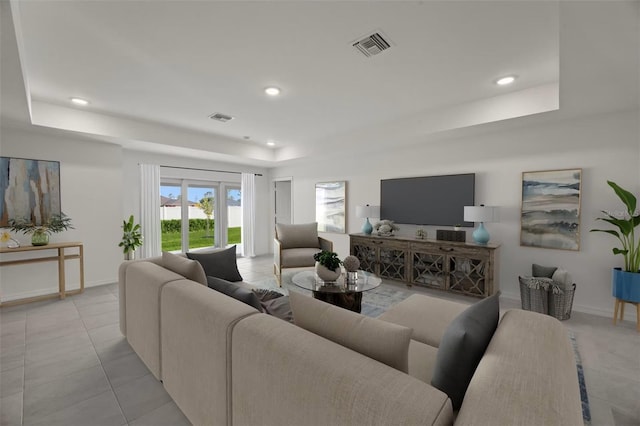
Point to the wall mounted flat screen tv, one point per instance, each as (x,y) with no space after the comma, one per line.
(428,200)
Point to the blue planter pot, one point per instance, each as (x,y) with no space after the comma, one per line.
(626,285)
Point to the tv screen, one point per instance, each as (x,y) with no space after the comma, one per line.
(428,200)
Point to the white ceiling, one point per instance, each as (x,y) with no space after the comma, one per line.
(154,70)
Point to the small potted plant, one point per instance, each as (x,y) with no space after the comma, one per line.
(327,265)
(40,233)
(625,283)
(131,238)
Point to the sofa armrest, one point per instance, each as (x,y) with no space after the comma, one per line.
(429,317)
(325,244)
(122,283)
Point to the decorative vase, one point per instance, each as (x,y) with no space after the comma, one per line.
(39,238)
(626,285)
(130,255)
(327,274)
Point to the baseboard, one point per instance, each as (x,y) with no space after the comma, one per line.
(629,314)
(51,290)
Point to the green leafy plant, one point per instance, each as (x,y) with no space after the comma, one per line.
(626,229)
(131,237)
(56,223)
(328,259)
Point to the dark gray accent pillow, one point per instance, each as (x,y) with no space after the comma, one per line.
(219,263)
(233,290)
(279,308)
(542,271)
(462,347)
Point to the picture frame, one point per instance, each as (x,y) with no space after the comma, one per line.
(550,209)
(330,206)
(29,190)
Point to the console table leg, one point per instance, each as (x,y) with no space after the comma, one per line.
(61,275)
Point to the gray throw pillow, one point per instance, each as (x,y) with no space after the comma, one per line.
(542,271)
(462,347)
(233,290)
(218,263)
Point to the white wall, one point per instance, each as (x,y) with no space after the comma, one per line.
(91,185)
(605,147)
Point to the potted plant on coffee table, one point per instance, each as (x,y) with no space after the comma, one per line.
(131,238)
(40,233)
(327,265)
(625,283)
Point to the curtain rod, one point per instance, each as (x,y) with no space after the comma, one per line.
(206,170)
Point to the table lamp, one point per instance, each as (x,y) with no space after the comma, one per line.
(481,214)
(367,212)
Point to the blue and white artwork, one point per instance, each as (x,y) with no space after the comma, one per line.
(330,206)
(550,215)
(29,190)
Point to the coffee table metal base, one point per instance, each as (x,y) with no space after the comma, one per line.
(350,301)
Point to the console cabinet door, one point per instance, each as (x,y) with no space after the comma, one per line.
(393,257)
(366,252)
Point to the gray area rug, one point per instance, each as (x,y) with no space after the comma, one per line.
(378,300)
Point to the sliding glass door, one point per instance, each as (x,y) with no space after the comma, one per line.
(234,214)
(171,215)
(202,215)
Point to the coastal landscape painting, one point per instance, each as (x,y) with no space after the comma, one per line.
(330,206)
(550,216)
(29,190)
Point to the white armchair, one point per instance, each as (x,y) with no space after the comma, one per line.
(295,245)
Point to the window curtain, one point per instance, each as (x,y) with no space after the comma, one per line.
(150,210)
(248,194)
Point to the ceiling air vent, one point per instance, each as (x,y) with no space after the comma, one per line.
(372,44)
(220,117)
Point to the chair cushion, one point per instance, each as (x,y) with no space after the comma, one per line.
(190,269)
(298,235)
(463,346)
(298,257)
(237,292)
(218,263)
(380,340)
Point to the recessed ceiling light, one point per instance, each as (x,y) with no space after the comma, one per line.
(506,80)
(272,91)
(80,101)
(271,143)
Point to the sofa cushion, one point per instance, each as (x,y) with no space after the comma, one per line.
(542,271)
(422,359)
(237,292)
(298,257)
(462,347)
(190,269)
(298,235)
(218,263)
(380,340)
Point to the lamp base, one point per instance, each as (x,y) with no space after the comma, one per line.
(480,235)
(367,228)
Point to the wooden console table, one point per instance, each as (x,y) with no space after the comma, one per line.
(465,268)
(60,258)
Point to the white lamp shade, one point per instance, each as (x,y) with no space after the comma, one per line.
(367,211)
(481,214)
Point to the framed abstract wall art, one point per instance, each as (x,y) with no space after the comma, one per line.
(29,190)
(330,206)
(550,215)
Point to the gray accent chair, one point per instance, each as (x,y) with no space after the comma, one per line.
(295,245)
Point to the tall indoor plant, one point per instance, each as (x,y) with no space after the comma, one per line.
(626,283)
(40,233)
(131,238)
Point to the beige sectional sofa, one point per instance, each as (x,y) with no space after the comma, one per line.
(224,363)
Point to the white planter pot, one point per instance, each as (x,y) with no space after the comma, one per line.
(326,274)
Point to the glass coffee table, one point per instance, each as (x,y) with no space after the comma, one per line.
(344,293)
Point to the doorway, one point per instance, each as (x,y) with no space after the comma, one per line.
(283,212)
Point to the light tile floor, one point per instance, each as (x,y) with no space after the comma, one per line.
(66,363)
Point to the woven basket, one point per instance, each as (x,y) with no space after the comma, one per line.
(560,304)
(535,300)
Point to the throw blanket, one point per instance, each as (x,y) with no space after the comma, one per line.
(537,283)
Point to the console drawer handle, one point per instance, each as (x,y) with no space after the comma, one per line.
(447,249)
